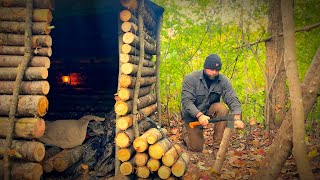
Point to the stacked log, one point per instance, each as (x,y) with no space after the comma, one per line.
(32,101)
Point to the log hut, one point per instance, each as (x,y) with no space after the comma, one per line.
(66,59)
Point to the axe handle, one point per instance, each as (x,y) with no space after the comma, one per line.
(213,120)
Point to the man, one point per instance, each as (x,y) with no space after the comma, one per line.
(200,98)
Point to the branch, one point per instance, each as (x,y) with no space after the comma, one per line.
(306,28)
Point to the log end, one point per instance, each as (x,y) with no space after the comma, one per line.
(178,169)
(121,108)
(125,81)
(45,87)
(125,15)
(122,140)
(143,172)
(151,139)
(128,37)
(153,164)
(168,160)
(124,155)
(126,168)
(124,94)
(43,105)
(39,128)
(156,151)
(140,144)
(124,58)
(164,172)
(39,152)
(126,48)
(127,68)
(47,167)
(60,165)
(124,122)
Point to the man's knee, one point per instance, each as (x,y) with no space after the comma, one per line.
(218,109)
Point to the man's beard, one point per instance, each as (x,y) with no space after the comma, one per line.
(212,77)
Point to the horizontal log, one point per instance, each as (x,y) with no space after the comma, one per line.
(153,164)
(156,136)
(126,58)
(125,154)
(19,50)
(180,167)
(126,15)
(24,127)
(141,159)
(129,81)
(31,73)
(143,172)
(127,94)
(18,40)
(132,69)
(129,27)
(140,144)
(158,149)
(28,105)
(14,61)
(124,139)
(19,27)
(41,4)
(29,150)
(130,4)
(122,108)
(170,157)
(130,49)
(19,14)
(26,88)
(134,40)
(125,122)
(24,170)
(164,172)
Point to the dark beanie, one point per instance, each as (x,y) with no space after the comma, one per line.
(213,61)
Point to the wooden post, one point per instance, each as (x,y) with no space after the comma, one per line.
(158,71)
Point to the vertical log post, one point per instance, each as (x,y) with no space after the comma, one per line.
(21,70)
(157,71)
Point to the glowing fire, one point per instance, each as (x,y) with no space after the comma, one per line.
(66,79)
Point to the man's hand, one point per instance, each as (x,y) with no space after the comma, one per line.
(203,120)
(238,124)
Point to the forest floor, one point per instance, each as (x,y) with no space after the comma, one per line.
(246,151)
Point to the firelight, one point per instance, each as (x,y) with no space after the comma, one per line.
(66,79)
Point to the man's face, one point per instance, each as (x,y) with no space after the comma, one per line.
(211,73)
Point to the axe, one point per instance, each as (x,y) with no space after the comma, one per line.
(229,117)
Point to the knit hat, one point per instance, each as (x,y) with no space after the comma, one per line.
(213,61)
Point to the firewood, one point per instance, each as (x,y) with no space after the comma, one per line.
(127,168)
(170,157)
(14,61)
(18,27)
(19,50)
(126,15)
(28,105)
(130,38)
(18,14)
(129,27)
(129,81)
(50,152)
(31,151)
(125,122)
(130,4)
(153,164)
(164,172)
(125,138)
(141,159)
(41,4)
(143,172)
(27,87)
(24,127)
(48,164)
(128,68)
(127,94)
(125,154)
(129,49)
(32,73)
(180,167)
(126,58)
(140,144)
(158,149)
(156,136)
(24,170)
(18,40)
(122,108)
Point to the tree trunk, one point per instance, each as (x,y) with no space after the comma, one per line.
(158,149)
(170,157)
(125,154)
(180,167)
(153,164)
(19,14)
(18,40)
(164,172)
(29,150)
(28,105)
(24,127)
(281,147)
(14,61)
(141,159)
(19,50)
(18,27)
(41,4)
(24,170)
(126,58)
(32,73)
(132,69)
(221,155)
(127,94)
(300,151)
(126,81)
(122,108)
(27,87)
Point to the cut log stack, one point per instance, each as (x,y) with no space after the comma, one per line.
(32,103)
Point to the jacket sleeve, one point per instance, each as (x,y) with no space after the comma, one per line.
(188,96)
(230,97)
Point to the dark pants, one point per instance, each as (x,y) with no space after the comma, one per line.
(194,137)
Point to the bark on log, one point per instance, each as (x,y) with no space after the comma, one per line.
(132,69)
(129,27)
(126,58)
(130,4)
(28,105)
(126,15)
(127,168)
(48,165)
(143,172)
(19,14)
(68,158)
(125,154)
(18,40)
(122,108)
(153,164)
(125,138)
(41,4)
(24,127)
(18,27)
(180,167)
(158,149)
(125,122)
(127,94)
(50,152)
(128,49)
(32,73)
(129,81)
(19,50)
(29,150)
(27,87)
(134,40)
(140,144)
(170,157)
(221,155)
(156,136)
(14,61)
(24,170)
(141,159)
(164,172)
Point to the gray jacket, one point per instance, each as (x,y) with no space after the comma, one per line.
(196,96)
